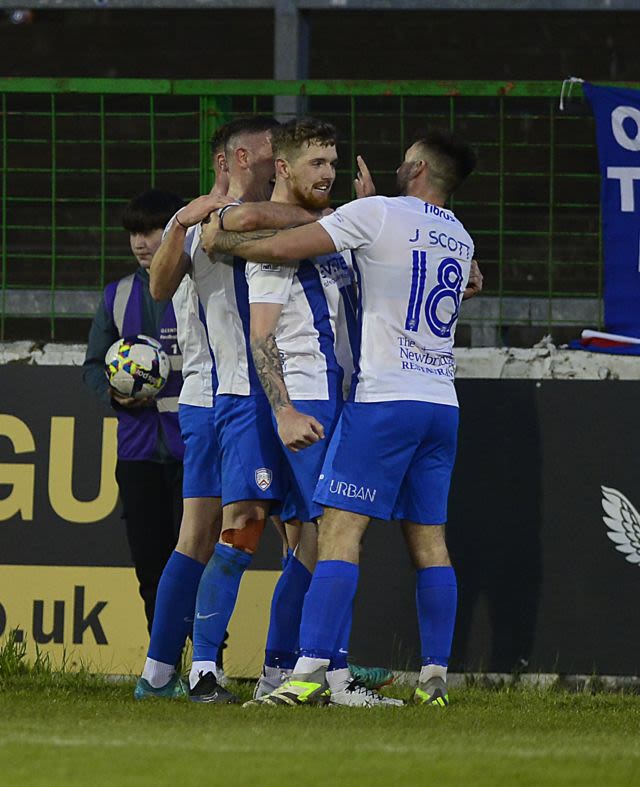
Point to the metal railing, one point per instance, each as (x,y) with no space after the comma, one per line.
(74,151)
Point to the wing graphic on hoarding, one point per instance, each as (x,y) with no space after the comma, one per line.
(623,522)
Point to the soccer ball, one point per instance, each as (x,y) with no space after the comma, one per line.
(137,366)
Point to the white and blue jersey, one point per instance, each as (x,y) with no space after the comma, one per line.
(250,454)
(222,287)
(198,369)
(196,404)
(393,450)
(412,262)
(318,309)
(312,334)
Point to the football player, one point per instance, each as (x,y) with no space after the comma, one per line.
(412,258)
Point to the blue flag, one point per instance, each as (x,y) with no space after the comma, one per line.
(617,114)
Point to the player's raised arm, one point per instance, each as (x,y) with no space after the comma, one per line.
(276,245)
(170,262)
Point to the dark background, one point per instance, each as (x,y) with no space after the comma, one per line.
(541,586)
(207,44)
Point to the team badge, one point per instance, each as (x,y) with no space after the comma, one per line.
(264,476)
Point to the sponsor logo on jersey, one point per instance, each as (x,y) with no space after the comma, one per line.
(264,477)
(334,270)
(268,266)
(420,359)
(442,213)
(352,490)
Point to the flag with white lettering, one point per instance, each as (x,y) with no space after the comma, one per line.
(617,115)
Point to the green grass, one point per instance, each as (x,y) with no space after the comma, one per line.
(53,732)
(68,729)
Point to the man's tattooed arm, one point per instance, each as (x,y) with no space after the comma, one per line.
(238,243)
(266,358)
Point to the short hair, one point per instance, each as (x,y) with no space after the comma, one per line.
(219,139)
(150,211)
(291,136)
(452,159)
(252,124)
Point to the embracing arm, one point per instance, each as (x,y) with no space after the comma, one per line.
(169,264)
(298,243)
(474,285)
(266,215)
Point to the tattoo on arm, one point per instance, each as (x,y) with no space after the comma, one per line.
(227,241)
(269,368)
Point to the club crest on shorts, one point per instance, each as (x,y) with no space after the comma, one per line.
(264,477)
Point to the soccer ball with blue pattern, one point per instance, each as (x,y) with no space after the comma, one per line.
(137,366)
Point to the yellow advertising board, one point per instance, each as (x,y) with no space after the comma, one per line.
(92,616)
(66,582)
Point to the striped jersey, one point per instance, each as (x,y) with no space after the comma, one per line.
(198,368)
(411,261)
(318,315)
(221,285)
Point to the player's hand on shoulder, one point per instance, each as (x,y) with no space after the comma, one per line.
(363,183)
(474,285)
(209,232)
(200,208)
(298,430)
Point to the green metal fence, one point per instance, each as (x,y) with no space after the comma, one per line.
(74,151)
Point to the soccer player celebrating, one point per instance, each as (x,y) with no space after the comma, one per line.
(393,449)
(300,346)
(250,455)
(201,490)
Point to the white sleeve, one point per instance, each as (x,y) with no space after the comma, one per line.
(356,224)
(269,283)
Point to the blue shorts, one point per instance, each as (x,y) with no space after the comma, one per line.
(391,460)
(201,452)
(305,465)
(250,452)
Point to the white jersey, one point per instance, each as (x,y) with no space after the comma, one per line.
(198,368)
(222,288)
(312,334)
(412,262)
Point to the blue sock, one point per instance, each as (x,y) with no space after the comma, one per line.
(436,599)
(339,660)
(328,599)
(286,558)
(286,612)
(175,604)
(216,599)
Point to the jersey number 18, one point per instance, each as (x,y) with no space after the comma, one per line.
(449,286)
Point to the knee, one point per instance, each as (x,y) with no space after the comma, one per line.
(246,537)
(432,554)
(338,543)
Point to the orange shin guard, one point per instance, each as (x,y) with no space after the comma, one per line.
(247,538)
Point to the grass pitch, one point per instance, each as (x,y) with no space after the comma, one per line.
(72,730)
